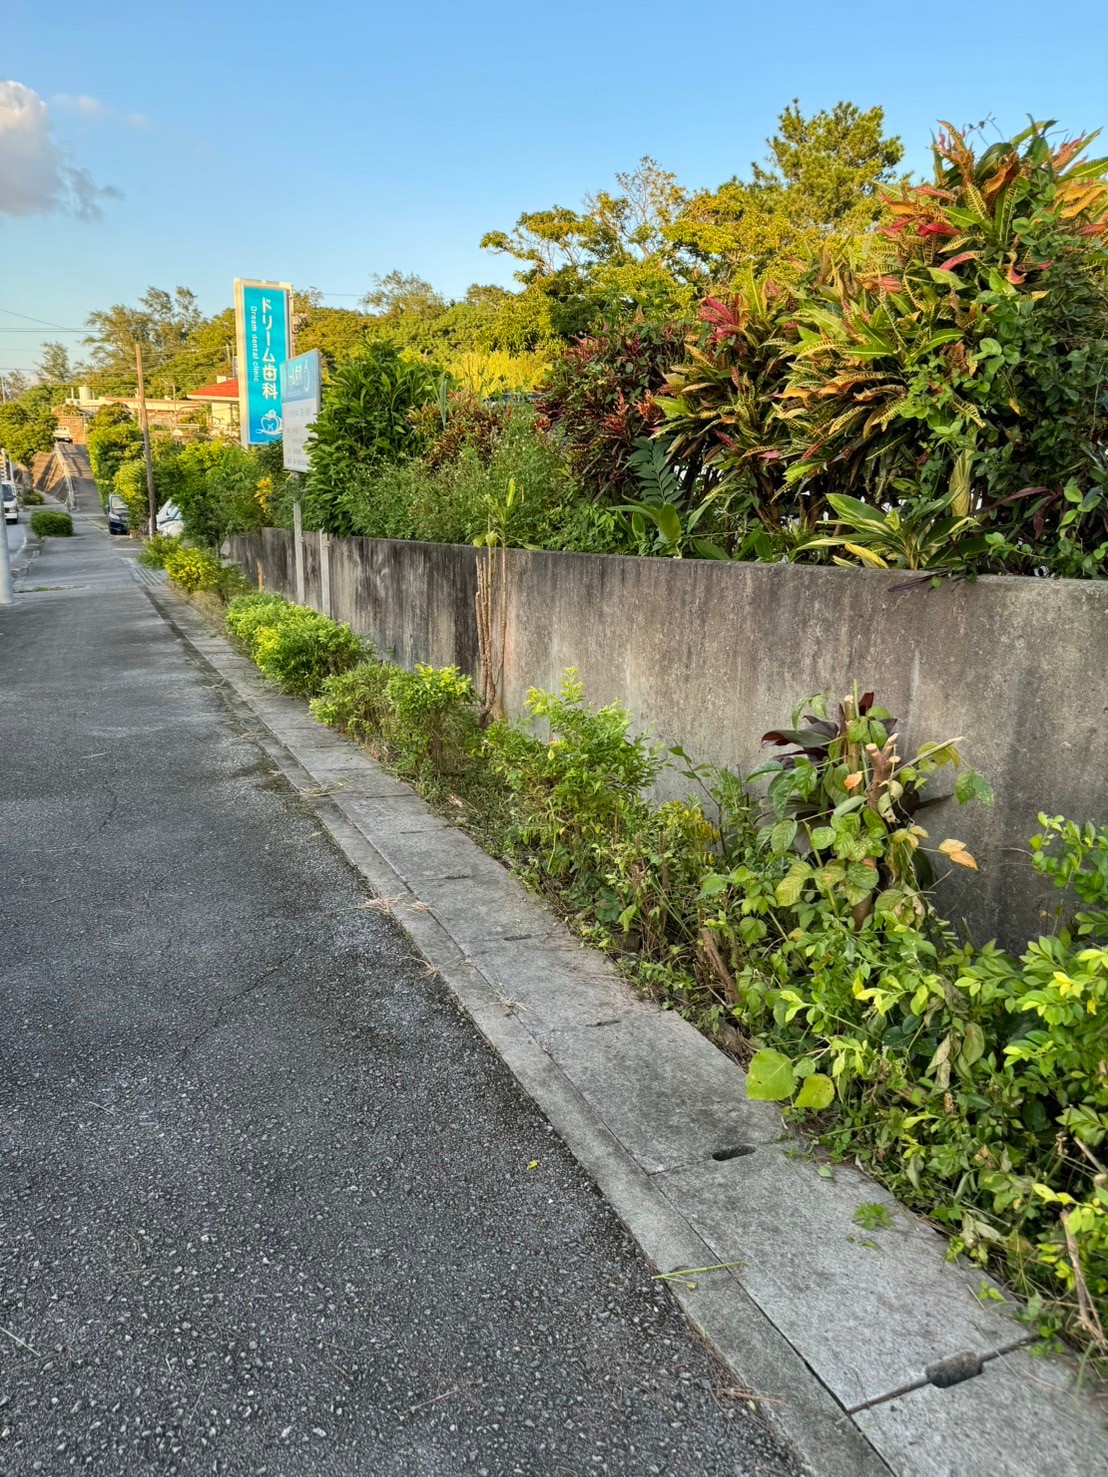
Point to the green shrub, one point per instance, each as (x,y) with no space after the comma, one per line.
(129,483)
(247,614)
(155,551)
(422,722)
(365,418)
(356,702)
(430,719)
(302,649)
(193,569)
(30,498)
(968,1081)
(51,523)
(577,791)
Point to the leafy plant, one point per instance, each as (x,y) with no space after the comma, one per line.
(664,508)
(971,354)
(193,569)
(300,649)
(155,551)
(365,419)
(922,534)
(51,523)
(844,799)
(598,401)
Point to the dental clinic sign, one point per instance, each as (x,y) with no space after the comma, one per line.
(300,390)
(264,336)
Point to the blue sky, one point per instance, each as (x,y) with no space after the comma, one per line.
(325,143)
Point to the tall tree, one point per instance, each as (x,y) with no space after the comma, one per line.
(27,424)
(162,323)
(13,383)
(54,367)
(614,256)
(823,180)
(397,294)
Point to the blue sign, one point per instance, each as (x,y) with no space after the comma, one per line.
(262,320)
(300,388)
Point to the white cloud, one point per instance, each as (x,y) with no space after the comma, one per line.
(92,107)
(35,176)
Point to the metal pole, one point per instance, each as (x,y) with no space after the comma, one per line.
(5,552)
(5,568)
(146,444)
(298,551)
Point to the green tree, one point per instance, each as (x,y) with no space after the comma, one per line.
(397,294)
(13,383)
(366,418)
(162,324)
(616,254)
(113,438)
(207,351)
(27,424)
(54,367)
(823,180)
(335,332)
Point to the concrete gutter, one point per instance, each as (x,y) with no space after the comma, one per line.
(859,1342)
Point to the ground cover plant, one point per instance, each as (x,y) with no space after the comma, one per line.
(791,917)
(51,523)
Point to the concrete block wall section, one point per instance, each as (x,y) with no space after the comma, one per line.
(710,656)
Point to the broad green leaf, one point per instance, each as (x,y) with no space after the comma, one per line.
(817,1092)
(712,884)
(973,1044)
(823,837)
(770,1077)
(791,886)
(971,786)
(864,878)
(853,510)
(782,837)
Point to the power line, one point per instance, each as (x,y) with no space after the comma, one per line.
(46,323)
(35,330)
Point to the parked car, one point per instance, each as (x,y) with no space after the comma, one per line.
(169,521)
(61,434)
(117,514)
(11,502)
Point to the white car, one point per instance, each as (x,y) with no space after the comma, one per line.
(11,502)
(168,520)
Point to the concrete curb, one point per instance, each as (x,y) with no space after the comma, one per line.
(848,1335)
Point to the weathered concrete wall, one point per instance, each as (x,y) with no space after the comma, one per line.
(711,655)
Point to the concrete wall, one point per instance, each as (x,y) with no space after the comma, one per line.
(711,655)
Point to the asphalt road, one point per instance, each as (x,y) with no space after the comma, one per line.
(269,1203)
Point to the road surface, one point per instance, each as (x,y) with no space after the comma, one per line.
(270,1204)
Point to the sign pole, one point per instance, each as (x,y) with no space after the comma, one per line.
(145,424)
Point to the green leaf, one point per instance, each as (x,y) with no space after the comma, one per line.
(782,837)
(973,1044)
(712,884)
(817,1093)
(791,886)
(971,786)
(770,1077)
(861,877)
(853,510)
(823,837)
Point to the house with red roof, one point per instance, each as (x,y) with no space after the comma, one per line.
(222,399)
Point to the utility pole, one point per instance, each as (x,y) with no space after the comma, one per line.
(146,443)
(5,554)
